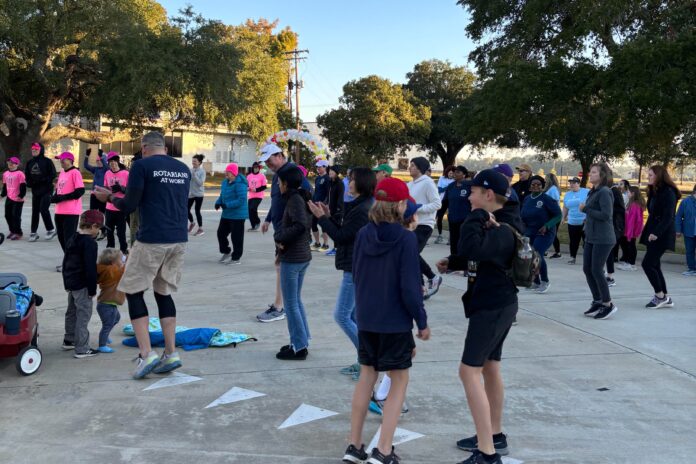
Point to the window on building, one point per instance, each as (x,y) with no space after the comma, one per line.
(174,144)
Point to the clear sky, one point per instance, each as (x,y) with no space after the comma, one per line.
(352,39)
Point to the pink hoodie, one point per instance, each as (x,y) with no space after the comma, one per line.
(634,221)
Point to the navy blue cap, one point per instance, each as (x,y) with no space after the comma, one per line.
(504,169)
(491,179)
(411,208)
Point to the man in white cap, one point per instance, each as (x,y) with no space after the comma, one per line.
(320,195)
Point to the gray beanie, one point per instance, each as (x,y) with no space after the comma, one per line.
(421,163)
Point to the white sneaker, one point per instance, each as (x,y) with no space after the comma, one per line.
(33,237)
(225,257)
(543,287)
(50,234)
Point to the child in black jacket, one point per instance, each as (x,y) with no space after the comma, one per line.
(486,249)
(80,280)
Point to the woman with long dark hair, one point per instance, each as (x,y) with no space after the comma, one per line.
(659,234)
(600,239)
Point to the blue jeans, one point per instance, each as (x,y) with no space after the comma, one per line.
(344,314)
(291,278)
(690,243)
(541,243)
(109,316)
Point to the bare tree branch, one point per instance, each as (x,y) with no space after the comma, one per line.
(84,135)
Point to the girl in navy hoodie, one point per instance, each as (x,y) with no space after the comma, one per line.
(388,299)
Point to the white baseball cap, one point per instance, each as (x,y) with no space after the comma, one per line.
(322,163)
(269,150)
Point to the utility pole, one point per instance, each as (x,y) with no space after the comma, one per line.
(296,56)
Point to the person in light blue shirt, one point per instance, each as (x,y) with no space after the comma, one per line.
(574,197)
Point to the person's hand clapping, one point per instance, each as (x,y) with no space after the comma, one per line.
(101,193)
(316,209)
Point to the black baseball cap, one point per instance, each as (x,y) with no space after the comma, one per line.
(491,179)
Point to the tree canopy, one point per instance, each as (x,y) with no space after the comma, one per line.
(126,61)
(375,120)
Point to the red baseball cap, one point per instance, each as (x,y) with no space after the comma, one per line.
(391,189)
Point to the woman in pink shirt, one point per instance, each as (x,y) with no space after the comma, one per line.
(634,227)
(68,199)
(14,187)
(257,184)
(116,179)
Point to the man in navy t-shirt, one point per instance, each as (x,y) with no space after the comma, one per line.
(158,187)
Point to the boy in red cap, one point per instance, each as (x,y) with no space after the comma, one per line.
(80,280)
(388,299)
(14,187)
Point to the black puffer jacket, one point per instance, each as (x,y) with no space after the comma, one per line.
(294,232)
(661,211)
(344,231)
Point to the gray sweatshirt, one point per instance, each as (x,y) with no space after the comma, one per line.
(197,188)
(599,223)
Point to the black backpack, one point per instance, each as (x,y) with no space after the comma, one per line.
(526,262)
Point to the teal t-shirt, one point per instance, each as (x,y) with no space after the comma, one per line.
(572,201)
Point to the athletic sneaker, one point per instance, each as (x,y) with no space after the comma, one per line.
(316,246)
(254,228)
(611,282)
(292,355)
(377,406)
(191,226)
(355,455)
(478,458)
(145,366)
(605,312)
(594,309)
(434,286)
(350,370)
(167,363)
(438,240)
(571,261)
(33,238)
(87,354)
(105,349)
(271,314)
(689,273)
(50,234)
(331,252)
(67,346)
(543,287)
(657,303)
(11,236)
(199,232)
(225,257)
(325,247)
(471,444)
(234,261)
(532,287)
(378,458)
(555,255)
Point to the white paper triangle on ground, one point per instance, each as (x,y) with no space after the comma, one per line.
(512,461)
(306,413)
(177,378)
(233,395)
(400,436)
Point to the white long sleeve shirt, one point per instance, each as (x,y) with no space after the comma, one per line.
(424,191)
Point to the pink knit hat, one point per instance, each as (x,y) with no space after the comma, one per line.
(233,168)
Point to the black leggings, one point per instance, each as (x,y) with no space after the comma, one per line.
(454,228)
(13,215)
(576,234)
(440,215)
(630,251)
(423,233)
(66,226)
(254,211)
(234,227)
(116,220)
(653,269)
(40,202)
(594,257)
(199,202)
(556,242)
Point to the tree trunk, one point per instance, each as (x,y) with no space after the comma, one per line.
(449,156)
(585,163)
(18,142)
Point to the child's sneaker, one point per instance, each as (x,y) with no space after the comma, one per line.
(33,238)
(378,458)
(355,455)
(87,354)
(145,365)
(471,444)
(167,363)
(199,232)
(478,458)
(105,349)
(67,346)
(50,234)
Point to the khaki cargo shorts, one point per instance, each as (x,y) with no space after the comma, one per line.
(156,264)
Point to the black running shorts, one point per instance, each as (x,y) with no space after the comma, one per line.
(486,334)
(385,351)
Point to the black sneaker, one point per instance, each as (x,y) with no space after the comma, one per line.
(499,443)
(556,256)
(378,458)
(605,312)
(594,309)
(611,282)
(478,458)
(292,355)
(355,455)
(87,354)
(67,346)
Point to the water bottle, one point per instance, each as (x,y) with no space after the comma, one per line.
(472,268)
(526,251)
(12,319)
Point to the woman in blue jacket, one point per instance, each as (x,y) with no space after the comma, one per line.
(685,225)
(540,214)
(235,211)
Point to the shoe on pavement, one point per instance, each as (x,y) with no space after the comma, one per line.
(657,303)
(325,247)
(477,458)
(316,246)
(11,236)
(167,363)
(234,261)
(146,365)
(67,346)
(105,349)
(555,256)
(331,252)
(438,240)
(434,286)
(292,355)
(50,234)
(199,232)
(594,309)
(191,226)
(355,455)
(271,314)
(33,238)
(543,287)
(571,261)
(87,354)
(499,443)
(350,370)
(224,257)
(532,287)
(611,282)
(689,273)
(605,312)
(378,458)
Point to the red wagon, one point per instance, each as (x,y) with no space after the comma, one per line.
(24,344)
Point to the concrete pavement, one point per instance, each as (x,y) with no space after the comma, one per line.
(578,390)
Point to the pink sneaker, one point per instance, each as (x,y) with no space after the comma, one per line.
(191,226)
(199,232)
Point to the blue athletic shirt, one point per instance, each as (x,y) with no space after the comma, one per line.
(571,201)
(458,201)
(536,212)
(163,208)
(321,189)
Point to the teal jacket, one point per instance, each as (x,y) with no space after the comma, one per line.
(233,198)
